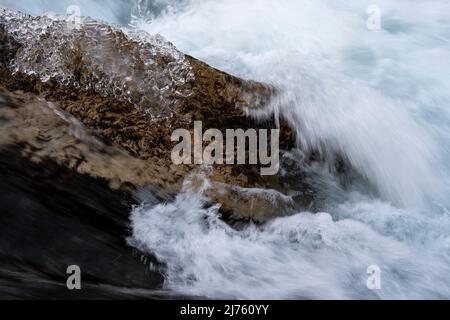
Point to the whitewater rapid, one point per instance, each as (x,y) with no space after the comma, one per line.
(379,98)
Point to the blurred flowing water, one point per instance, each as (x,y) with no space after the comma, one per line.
(380,99)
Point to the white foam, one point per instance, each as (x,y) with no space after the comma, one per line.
(304,256)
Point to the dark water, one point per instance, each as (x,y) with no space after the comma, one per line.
(51,218)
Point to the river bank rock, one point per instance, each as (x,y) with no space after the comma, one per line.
(131,90)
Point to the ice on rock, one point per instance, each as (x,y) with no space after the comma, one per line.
(143,69)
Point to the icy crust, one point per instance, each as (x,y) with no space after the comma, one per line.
(145,70)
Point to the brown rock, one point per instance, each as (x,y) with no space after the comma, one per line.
(132,90)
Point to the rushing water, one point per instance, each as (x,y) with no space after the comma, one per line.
(379,98)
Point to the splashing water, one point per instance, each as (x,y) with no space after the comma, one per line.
(302,256)
(378,98)
(334,72)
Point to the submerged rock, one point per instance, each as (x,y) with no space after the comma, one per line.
(134,90)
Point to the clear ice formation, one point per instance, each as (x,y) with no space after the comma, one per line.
(85,54)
